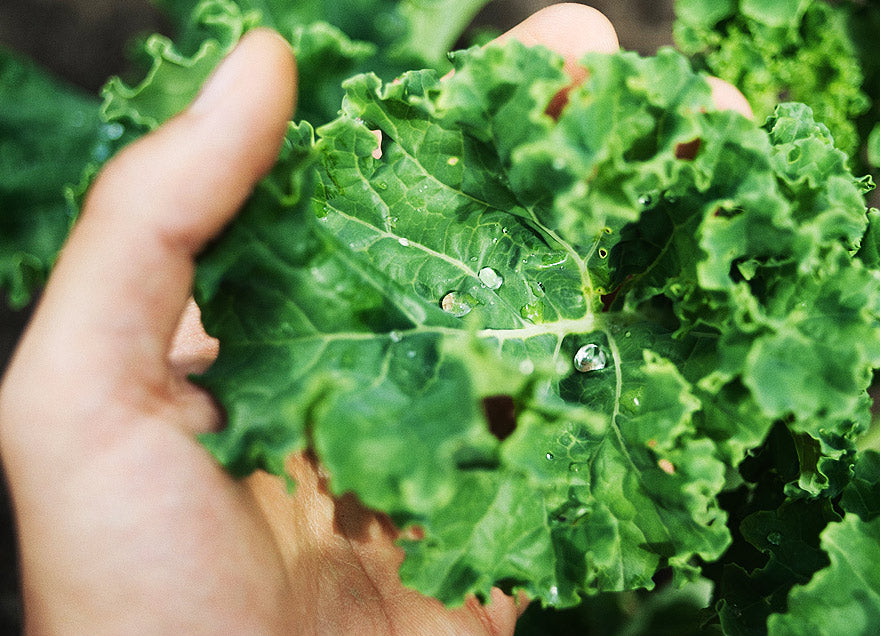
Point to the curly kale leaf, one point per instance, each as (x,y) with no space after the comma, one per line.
(643,315)
(49,134)
(796,50)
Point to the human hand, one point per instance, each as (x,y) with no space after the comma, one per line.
(126,523)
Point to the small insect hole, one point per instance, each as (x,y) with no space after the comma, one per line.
(500,412)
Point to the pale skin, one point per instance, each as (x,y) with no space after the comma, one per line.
(126,524)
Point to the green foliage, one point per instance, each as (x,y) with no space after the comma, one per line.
(845,597)
(49,134)
(617,359)
(478,255)
(796,50)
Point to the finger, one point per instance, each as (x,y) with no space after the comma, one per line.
(727,97)
(124,277)
(192,349)
(571,30)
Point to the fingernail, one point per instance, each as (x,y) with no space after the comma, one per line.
(221,81)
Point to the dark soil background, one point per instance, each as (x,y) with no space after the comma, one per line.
(85,42)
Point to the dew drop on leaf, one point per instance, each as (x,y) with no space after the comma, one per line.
(549,455)
(533,312)
(114,131)
(394,336)
(590,357)
(403,241)
(490,278)
(456,304)
(526,367)
(646,200)
(775,538)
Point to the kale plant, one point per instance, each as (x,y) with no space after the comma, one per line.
(622,349)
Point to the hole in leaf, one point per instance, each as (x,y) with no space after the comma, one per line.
(500,412)
(688,150)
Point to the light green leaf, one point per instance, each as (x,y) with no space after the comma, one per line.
(774,13)
(874,146)
(843,598)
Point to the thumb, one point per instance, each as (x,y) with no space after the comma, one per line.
(124,277)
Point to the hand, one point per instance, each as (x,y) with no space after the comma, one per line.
(126,524)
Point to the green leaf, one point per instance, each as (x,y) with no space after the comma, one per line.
(789,536)
(447,262)
(704,12)
(775,13)
(175,78)
(862,495)
(434,27)
(843,598)
(874,147)
(791,50)
(325,56)
(49,133)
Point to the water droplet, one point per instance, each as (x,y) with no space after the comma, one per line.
(775,538)
(403,241)
(590,357)
(114,131)
(646,200)
(490,278)
(575,467)
(549,455)
(559,163)
(504,230)
(395,336)
(533,311)
(452,161)
(456,304)
(526,367)
(411,353)
(381,185)
(554,595)
(636,401)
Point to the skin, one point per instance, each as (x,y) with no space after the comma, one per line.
(126,524)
